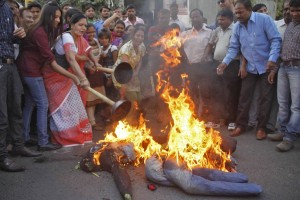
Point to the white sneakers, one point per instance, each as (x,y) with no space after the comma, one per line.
(231,126)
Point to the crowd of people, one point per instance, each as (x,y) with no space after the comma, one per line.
(243,70)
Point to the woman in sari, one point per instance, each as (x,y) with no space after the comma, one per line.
(132,52)
(36,54)
(69,122)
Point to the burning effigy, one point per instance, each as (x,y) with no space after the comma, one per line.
(193,158)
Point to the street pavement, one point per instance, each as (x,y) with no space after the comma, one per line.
(54,176)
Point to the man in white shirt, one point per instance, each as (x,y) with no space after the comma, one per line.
(194,44)
(131,18)
(174,16)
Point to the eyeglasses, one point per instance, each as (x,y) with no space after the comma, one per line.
(221,1)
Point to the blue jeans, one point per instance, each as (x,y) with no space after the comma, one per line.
(35,95)
(288,93)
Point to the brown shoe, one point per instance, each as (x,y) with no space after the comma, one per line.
(238,131)
(261,134)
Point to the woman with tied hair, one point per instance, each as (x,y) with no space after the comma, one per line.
(132,52)
(35,56)
(68,16)
(69,122)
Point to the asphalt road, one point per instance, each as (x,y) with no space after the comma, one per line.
(57,179)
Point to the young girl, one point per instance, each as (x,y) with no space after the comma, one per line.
(96,78)
(107,59)
(118,33)
(118,29)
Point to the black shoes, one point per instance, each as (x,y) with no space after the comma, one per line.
(25,152)
(10,166)
(31,142)
(49,147)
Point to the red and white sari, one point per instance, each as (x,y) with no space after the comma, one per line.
(68,119)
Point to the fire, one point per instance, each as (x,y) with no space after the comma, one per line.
(188,138)
(170,44)
(139,136)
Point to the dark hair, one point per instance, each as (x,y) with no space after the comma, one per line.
(130,6)
(14,2)
(65,4)
(70,13)
(46,21)
(88,6)
(90,25)
(258,6)
(174,4)
(140,26)
(174,26)
(120,22)
(196,9)
(104,33)
(164,11)
(127,27)
(247,4)
(137,28)
(105,6)
(34,5)
(294,3)
(226,13)
(76,18)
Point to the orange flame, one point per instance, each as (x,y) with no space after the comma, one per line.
(188,138)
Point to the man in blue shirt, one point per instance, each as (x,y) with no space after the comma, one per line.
(104,14)
(258,39)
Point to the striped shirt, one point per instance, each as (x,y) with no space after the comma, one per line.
(291,42)
(6,33)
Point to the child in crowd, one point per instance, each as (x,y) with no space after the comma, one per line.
(117,28)
(118,33)
(108,58)
(95,77)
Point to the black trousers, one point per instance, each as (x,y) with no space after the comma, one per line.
(200,76)
(11,121)
(231,85)
(265,100)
